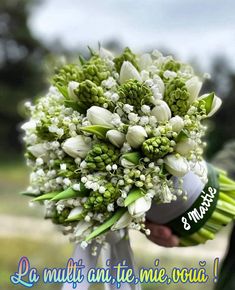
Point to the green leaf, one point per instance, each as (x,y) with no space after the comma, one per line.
(182,136)
(74,105)
(82,60)
(63,90)
(45,196)
(70,193)
(106,225)
(133,195)
(133,157)
(208,102)
(29,194)
(98,130)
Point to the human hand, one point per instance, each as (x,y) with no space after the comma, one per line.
(161,235)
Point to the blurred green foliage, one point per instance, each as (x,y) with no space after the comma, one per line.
(21,68)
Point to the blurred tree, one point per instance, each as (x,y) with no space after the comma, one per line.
(21,68)
(222,124)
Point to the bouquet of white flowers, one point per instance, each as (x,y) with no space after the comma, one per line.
(119,138)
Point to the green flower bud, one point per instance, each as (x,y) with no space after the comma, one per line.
(177,96)
(88,94)
(127,55)
(157,147)
(66,74)
(101,155)
(135,93)
(94,70)
(98,202)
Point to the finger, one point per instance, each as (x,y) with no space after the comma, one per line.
(159,231)
(173,241)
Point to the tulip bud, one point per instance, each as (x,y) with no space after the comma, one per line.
(99,116)
(82,228)
(193,86)
(135,136)
(71,87)
(128,72)
(185,146)
(75,213)
(37,150)
(77,146)
(30,125)
(116,138)
(160,84)
(177,123)
(127,164)
(145,61)
(166,194)
(104,53)
(215,105)
(161,111)
(123,222)
(139,206)
(176,165)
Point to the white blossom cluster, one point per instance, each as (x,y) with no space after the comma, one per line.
(109,137)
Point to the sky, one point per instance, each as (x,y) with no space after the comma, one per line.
(197,29)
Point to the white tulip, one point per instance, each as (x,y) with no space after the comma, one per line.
(128,72)
(127,164)
(145,61)
(71,87)
(123,222)
(38,150)
(77,146)
(82,228)
(139,207)
(104,53)
(161,111)
(116,138)
(176,165)
(185,146)
(193,86)
(160,84)
(166,194)
(216,103)
(99,116)
(200,169)
(30,125)
(177,123)
(75,212)
(136,136)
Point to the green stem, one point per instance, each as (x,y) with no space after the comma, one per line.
(220,218)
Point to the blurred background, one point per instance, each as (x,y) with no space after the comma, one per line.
(35,35)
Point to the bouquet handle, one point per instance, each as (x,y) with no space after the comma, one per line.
(116,249)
